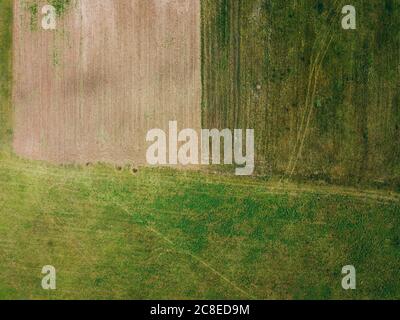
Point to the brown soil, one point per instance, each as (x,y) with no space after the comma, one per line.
(112,70)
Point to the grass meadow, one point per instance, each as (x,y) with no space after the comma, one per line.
(161,233)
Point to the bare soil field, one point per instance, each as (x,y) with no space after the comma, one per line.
(90,90)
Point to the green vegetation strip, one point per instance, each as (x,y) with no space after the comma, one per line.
(5,74)
(171,234)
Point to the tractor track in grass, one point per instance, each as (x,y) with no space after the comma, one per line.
(171,177)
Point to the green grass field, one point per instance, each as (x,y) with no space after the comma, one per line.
(170,234)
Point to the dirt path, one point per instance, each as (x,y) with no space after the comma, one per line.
(245,186)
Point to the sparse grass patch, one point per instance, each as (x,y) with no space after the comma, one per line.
(61,6)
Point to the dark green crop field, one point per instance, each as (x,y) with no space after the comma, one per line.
(325,106)
(324,102)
